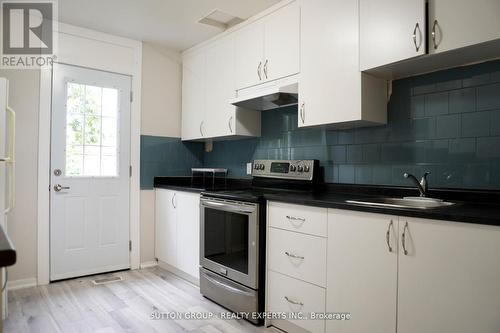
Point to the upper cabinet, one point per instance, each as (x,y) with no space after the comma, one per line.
(193,96)
(268,49)
(459,23)
(391,31)
(332,90)
(207,89)
(282,43)
(249,55)
(395,35)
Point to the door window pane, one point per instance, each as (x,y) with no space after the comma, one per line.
(92,117)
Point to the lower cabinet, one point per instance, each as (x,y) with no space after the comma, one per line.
(362,271)
(296,266)
(389,273)
(449,277)
(177,231)
(408,275)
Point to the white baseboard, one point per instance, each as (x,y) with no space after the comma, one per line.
(179,273)
(21,283)
(148,264)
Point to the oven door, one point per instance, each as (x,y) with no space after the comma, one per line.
(229,239)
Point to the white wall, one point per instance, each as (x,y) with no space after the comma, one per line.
(161,116)
(161,92)
(22,221)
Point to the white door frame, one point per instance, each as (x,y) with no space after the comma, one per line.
(87,48)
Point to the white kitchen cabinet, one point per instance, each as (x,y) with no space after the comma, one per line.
(249,55)
(207,89)
(165,226)
(220,88)
(288,295)
(188,232)
(193,96)
(448,279)
(460,23)
(297,255)
(362,271)
(282,43)
(268,49)
(177,225)
(387,28)
(222,119)
(332,90)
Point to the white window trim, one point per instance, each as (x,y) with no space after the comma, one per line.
(44,126)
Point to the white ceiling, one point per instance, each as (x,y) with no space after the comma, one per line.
(170,23)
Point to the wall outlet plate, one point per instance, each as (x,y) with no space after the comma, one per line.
(249,168)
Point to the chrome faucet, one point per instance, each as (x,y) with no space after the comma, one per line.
(422,186)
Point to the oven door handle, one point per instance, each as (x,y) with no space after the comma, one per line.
(227,287)
(224,206)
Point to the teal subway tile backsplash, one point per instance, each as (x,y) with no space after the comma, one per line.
(447,122)
(161,156)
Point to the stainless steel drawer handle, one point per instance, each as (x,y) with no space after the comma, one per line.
(227,287)
(403,239)
(293,218)
(388,236)
(295,256)
(265,68)
(59,188)
(291,301)
(259,68)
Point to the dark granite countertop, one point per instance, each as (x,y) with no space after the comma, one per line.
(469,212)
(479,207)
(7,251)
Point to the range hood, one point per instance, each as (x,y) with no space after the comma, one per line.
(268,96)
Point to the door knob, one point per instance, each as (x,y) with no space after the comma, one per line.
(59,187)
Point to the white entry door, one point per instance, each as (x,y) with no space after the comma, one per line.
(90,159)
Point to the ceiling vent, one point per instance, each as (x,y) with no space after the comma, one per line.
(220,19)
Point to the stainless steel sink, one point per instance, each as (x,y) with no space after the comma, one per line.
(406,202)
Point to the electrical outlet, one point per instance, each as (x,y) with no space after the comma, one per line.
(249,168)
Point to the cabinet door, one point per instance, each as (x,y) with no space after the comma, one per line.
(459,23)
(165,226)
(329,62)
(362,271)
(249,55)
(386,31)
(188,232)
(193,96)
(220,88)
(282,43)
(448,279)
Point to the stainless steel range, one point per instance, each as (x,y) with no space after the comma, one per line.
(232,234)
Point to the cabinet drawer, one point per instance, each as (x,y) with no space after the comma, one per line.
(297,255)
(284,291)
(304,219)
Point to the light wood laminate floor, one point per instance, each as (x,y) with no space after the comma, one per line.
(80,306)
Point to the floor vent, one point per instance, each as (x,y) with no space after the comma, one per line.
(106,280)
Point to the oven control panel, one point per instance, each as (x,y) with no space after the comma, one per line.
(285,169)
